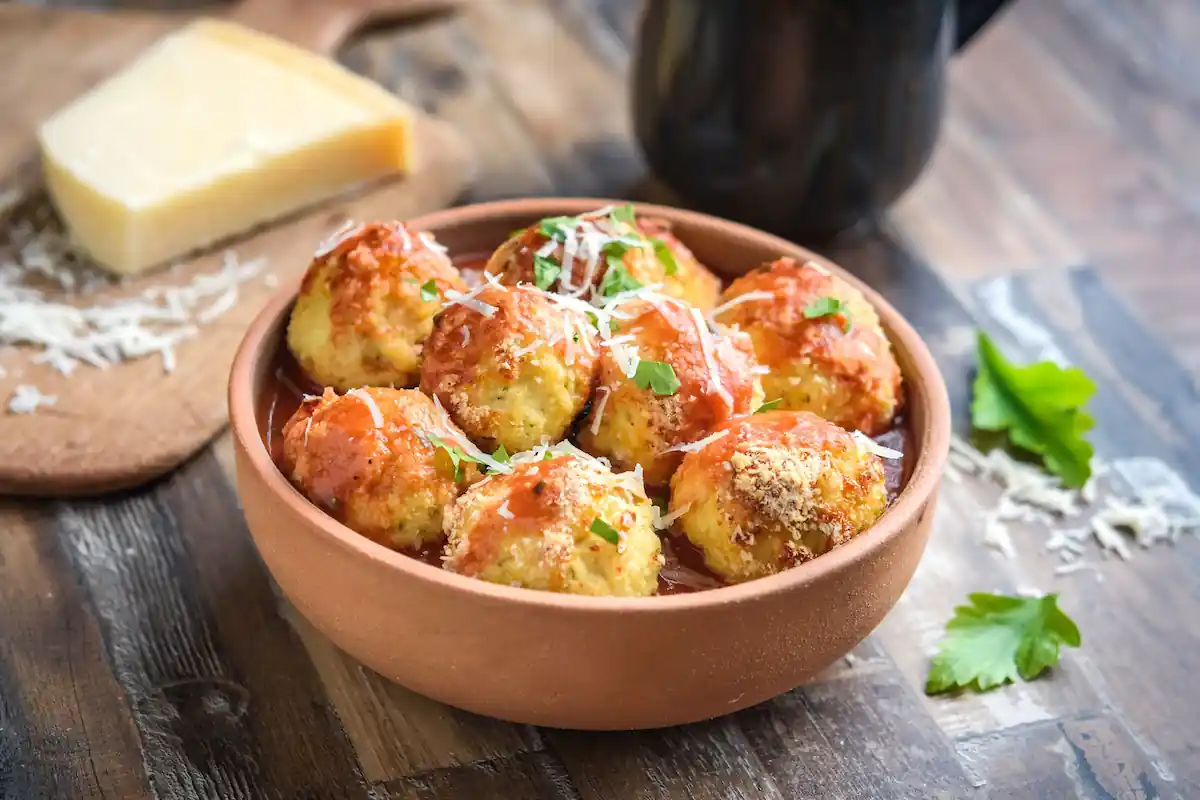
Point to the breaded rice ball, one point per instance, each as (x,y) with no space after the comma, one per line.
(516,376)
(685,277)
(777,489)
(566,524)
(688,381)
(599,243)
(367,304)
(371,458)
(821,341)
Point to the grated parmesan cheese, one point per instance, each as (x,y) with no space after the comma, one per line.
(706,347)
(595,426)
(503,510)
(341,234)
(875,448)
(27,399)
(68,332)
(663,521)
(748,297)
(455,297)
(698,445)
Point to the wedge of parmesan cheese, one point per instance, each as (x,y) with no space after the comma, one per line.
(213,130)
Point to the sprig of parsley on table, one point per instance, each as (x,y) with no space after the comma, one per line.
(1040,406)
(997,639)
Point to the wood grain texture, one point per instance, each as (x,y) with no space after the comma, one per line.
(65,727)
(1063,193)
(88,442)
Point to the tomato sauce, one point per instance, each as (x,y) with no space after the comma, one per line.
(683,570)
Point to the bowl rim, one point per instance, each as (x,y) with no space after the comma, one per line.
(933,442)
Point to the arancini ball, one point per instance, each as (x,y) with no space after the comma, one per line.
(775,490)
(517,375)
(367,304)
(684,276)
(380,460)
(563,524)
(666,380)
(820,341)
(600,252)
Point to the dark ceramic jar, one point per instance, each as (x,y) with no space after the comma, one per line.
(805,117)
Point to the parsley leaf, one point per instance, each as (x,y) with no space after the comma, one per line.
(456,453)
(827,306)
(997,639)
(558,228)
(770,405)
(617,279)
(624,214)
(501,455)
(1041,408)
(545,272)
(656,375)
(666,256)
(429,291)
(605,531)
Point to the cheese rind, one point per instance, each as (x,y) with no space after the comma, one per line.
(212,131)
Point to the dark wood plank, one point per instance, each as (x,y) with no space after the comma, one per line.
(864,735)
(65,724)
(225,700)
(530,776)
(706,761)
(1092,758)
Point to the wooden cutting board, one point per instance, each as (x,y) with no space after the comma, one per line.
(117,427)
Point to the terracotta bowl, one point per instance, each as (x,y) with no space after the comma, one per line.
(584,662)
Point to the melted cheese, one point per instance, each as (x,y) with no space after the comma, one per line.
(213,130)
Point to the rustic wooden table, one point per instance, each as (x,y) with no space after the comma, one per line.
(145,653)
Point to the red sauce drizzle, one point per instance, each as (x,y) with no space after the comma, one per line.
(683,569)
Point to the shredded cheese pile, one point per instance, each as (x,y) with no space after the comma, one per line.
(1153,511)
(44,284)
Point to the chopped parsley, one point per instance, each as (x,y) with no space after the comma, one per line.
(545,272)
(1040,406)
(828,306)
(997,639)
(429,291)
(656,375)
(558,228)
(770,405)
(501,455)
(624,214)
(666,256)
(456,453)
(617,279)
(605,531)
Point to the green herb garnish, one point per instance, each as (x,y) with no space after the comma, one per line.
(429,291)
(558,228)
(456,453)
(770,405)
(617,279)
(1041,408)
(656,375)
(828,306)
(997,639)
(605,531)
(545,272)
(501,455)
(624,214)
(666,256)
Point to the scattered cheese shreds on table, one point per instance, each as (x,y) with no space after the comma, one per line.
(1113,508)
(27,399)
(68,331)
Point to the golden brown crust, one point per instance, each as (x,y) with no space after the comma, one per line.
(860,380)
(474,361)
(777,489)
(366,293)
(367,474)
(671,332)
